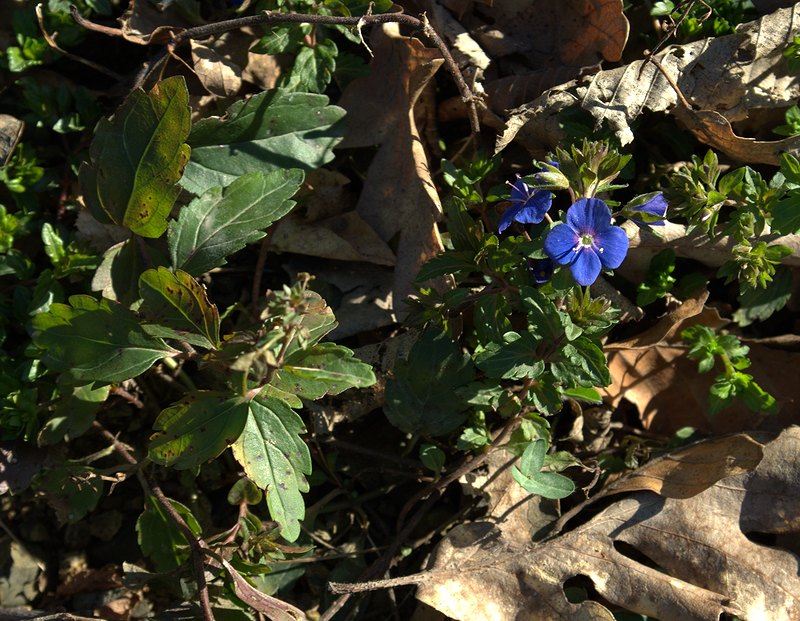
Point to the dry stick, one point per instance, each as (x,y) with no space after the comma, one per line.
(195,543)
(433,492)
(268,17)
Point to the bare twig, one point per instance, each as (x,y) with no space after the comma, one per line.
(268,17)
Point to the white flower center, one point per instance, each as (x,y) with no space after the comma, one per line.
(587,241)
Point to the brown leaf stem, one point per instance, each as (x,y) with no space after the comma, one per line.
(196,544)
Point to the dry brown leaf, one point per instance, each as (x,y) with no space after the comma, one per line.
(345,237)
(218,74)
(539,44)
(10,133)
(646,243)
(713,129)
(688,471)
(701,562)
(399,200)
(732,75)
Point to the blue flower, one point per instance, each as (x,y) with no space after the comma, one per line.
(651,212)
(528,206)
(588,241)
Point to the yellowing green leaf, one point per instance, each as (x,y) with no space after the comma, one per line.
(137,158)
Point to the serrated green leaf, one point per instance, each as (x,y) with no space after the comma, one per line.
(159,536)
(491,317)
(281,39)
(325,368)
(516,358)
(96,340)
(543,317)
(582,363)
(312,69)
(224,220)
(137,158)
(197,428)
(273,130)
(276,459)
(179,302)
(421,396)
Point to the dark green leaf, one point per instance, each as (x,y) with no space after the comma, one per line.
(273,130)
(492,317)
(281,39)
(421,397)
(582,363)
(159,536)
(432,457)
(276,459)
(74,414)
(543,317)
(245,491)
(786,214)
(325,368)
(196,429)
(179,302)
(73,490)
(137,159)
(450,262)
(96,340)
(515,358)
(223,221)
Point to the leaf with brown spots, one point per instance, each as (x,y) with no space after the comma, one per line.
(196,429)
(179,303)
(137,158)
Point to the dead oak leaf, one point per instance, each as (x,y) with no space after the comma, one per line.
(669,558)
(399,200)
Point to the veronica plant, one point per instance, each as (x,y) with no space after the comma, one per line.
(522,303)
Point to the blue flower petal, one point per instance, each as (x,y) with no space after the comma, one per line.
(586,267)
(508,216)
(533,211)
(542,271)
(560,244)
(656,206)
(520,191)
(614,243)
(589,216)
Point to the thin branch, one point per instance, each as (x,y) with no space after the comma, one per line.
(268,17)
(196,544)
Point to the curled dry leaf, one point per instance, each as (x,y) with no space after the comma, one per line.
(143,24)
(713,129)
(669,558)
(732,75)
(399,200)
(10,133)
(218,74)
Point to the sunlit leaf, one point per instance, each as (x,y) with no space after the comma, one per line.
(325,368)
(178,301)
(196,429)
(224,220)
(276,459)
